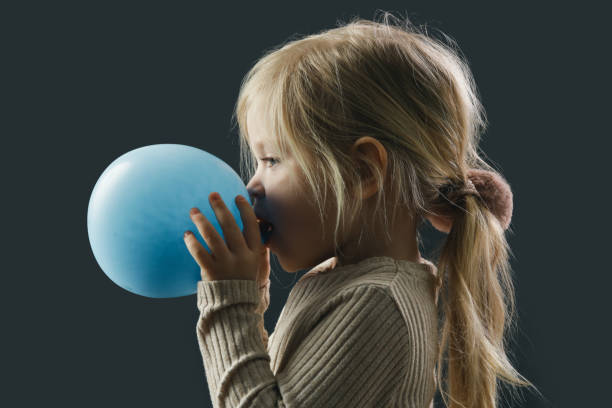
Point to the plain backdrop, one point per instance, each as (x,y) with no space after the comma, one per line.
(85,82)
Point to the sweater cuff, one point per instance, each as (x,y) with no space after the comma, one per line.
(217,294)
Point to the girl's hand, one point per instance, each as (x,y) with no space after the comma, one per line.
(246,258)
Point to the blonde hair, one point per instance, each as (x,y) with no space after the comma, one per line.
(417,97)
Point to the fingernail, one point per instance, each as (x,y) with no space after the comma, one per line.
(187,233)
(194,211)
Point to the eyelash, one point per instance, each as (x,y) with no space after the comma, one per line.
(269,159)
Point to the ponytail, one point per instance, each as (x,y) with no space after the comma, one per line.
(478,306)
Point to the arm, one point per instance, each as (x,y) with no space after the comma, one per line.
(351,357)
(230,336)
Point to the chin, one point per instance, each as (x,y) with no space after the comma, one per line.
(287,267)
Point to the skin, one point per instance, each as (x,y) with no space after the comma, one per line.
(278,193)
(241,256)
(441,223)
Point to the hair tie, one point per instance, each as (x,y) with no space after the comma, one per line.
(490,187)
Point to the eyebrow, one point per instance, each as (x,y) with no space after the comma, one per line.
(258,146)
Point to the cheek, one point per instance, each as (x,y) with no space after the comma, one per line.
(297,223)
(305,226)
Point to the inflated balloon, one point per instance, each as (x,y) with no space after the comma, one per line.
(139,209)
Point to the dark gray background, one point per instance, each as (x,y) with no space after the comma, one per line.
(86,82)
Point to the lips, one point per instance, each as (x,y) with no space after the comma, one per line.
(265,228)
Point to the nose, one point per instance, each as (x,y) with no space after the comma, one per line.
(255,190)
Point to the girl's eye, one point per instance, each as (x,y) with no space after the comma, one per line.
(269,159)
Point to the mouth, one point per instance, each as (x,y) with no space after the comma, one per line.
(265,228)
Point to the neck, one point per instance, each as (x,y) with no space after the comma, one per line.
(403,244)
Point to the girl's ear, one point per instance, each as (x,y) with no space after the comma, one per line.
(366,149)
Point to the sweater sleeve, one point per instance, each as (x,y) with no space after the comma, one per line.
(354,356)
(236,361)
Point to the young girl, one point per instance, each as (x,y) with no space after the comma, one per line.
(360,133)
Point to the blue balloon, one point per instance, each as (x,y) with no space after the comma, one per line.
(139,210)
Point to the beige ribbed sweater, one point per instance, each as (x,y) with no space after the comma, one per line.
(358,335)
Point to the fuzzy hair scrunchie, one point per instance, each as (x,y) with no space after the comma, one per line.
(491,187)
(496,192)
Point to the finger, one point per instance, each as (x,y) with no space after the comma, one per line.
(233,235)
(249,221)
(197,251)
(210,234)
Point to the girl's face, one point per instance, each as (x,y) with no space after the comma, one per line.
(279,196)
